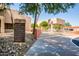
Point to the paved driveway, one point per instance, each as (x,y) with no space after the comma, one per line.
(53,45)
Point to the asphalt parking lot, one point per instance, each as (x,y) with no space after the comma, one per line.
(53,45)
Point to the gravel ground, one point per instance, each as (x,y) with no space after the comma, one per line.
(10,48)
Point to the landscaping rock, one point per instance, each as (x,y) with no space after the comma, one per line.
(10,48)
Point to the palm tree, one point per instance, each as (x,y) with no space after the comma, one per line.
(35,9)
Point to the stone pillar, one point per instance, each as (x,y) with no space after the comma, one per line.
(2,25)
(19,30)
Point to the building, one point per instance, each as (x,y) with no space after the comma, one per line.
(28,23)
(71,28)
(52,22)
(6,21)
(56,21)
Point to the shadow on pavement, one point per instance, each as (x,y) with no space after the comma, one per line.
(53,46)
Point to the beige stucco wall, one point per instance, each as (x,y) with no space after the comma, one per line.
(2,26)
(16,16)
(76,29)
(28,24)
(58,21)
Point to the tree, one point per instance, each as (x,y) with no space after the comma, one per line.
(57,27)
(32,25)
(44,25)
(3,6)
(35,9)
(67,24)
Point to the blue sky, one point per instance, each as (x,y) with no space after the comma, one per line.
(71,16)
